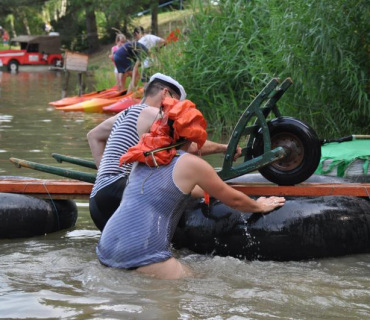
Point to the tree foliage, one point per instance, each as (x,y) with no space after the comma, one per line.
(25,16)
(118,14)
(82,24)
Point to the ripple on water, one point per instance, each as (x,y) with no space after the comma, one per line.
(5,118)
(20,305)
(83,234)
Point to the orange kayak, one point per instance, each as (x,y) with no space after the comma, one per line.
(106,93)
(97,104)
(121,104)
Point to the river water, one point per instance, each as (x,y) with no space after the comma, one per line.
(57,276)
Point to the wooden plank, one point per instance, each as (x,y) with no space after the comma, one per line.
(58,196)
(67,189)
(56,189)
(306,190)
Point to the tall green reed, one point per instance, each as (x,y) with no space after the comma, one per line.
(235,48)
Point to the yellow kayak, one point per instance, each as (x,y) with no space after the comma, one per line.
(92,105)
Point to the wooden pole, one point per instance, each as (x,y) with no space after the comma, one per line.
(80,84)
(65,86)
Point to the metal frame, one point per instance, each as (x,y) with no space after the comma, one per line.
(272,93)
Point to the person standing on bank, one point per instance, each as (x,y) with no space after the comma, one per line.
(113,137)
(120,40)
(139,233)
(151,42)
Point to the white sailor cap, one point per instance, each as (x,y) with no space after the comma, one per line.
(170,82)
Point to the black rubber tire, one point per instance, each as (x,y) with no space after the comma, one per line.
(13,66)
(304,228)
(304,149)
(22,216)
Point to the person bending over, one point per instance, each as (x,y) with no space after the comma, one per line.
(151,42)
(139,233)
(127,59)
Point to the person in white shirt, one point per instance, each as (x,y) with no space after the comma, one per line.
(150,41)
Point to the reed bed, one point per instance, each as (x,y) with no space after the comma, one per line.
(230,51)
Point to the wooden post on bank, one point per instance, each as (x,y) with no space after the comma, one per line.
(80,84)
(65,85)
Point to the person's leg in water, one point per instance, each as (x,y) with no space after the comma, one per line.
(106,201)
(170,269)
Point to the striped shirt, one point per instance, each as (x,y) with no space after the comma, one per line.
(123,136)
(140,231)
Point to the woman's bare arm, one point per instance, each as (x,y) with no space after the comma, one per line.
(192,171)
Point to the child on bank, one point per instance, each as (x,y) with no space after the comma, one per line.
(120,40)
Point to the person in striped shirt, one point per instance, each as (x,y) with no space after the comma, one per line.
(113,137)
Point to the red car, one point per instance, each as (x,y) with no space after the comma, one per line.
(35,50)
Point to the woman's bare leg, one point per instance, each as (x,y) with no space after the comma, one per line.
(119,81)
(170,269)
(123,80)
(117,78)
(130,87)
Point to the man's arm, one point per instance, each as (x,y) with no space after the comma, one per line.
(211,147)
(98,137)
(160,42)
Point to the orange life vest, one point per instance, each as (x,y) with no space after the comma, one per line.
(158,147)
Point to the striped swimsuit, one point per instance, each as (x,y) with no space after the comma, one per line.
(140,231)
(110,182)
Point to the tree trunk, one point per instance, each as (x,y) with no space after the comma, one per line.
(12,26)
(26,25)
(91,28)
(125,25)
(154,10)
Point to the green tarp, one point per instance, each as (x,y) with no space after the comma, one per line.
(343,154)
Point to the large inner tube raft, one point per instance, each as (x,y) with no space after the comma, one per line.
(24,216)
(304,228)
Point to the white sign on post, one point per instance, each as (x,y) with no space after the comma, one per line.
(75,61)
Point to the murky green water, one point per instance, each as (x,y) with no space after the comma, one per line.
(58,276)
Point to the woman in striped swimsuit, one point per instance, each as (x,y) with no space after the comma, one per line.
(139,233)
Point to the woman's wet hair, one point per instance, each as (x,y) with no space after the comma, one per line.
(120,37)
